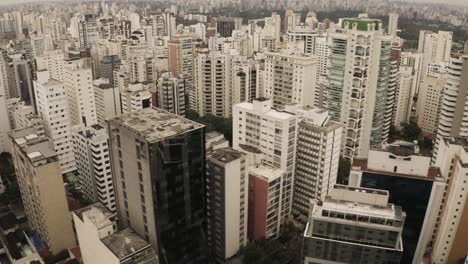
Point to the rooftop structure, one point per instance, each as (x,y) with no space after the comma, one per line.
(97,213)
(154,124)
(127,243)
(37,149)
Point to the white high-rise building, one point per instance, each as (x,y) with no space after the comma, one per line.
(212,72)
(78,83)
(449,245)
(403,97)
(136,96)
(52,107)
(245,80)
(290,77)
(414,60)
(24,116)
(4,118)
(107,98)
(227,196)
(430,96)
(259,129)
(171,93)
(358,82)
(93,164)
(435,47)
(317,155)
(392,24)
(304,36)
(453,119)
(52,61)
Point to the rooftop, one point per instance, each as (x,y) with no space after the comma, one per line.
(154,124)
(361,23)
(212,135)
(432,174)
(51,82)
(266,172)
(225,155)
(126,243)
(271,112)
(35,147)
(97,213)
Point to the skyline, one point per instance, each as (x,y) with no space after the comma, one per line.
(437,2)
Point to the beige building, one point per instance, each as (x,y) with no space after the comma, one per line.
(41,185)
(101,243)
(429,102)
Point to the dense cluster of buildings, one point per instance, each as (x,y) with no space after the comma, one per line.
(96,100)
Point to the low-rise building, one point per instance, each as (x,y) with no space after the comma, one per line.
(354,225)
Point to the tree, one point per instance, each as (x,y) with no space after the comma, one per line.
(213,123)
(344,167)
(411,131)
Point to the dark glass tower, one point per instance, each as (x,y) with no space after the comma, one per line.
(159,173)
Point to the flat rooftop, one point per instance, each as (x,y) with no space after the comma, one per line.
(35,147)
(154,124)
(225,155)
(273,113)
(389,212)
(97,213)
(432,174)
(266,172)
(213,134)
(126,243)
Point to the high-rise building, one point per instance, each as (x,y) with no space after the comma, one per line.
(291,20)
(317,156)
(226,201)
(42,191)
(158,162)
(403,97)
(78,83)
(171,93)
(259,128)
(93,164)
(392,24)
(24,116)
(290,77)
(391,91)
(136,96)
(100,242)
(52,107)
(452,119)
(449,244)
(225,25)
(354,225)
(358,82)
(53,62)
(429,103)
(413,60)
(107,98)
(265,195)
(88,30)
(4,119)
(435,47)
(212,71)
(108,65)
(180,51)
(305,35)
(245,80)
